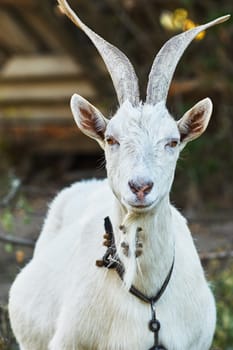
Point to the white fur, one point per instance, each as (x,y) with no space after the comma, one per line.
(62,301)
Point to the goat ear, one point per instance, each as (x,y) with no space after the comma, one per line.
(88,118)
(195,121)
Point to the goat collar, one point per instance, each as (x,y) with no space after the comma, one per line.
(111,260)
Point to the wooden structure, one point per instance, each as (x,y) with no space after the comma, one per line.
(44,59)
(40,68)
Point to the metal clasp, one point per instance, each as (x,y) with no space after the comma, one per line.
(154,326)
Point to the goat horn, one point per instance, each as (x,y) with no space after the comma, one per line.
(167,59)
(121,70)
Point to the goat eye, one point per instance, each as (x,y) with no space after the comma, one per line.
(172,143)
(111,141)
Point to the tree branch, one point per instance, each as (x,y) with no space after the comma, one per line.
(15,186)
(216,255)
(16,240)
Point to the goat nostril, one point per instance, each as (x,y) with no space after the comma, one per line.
(133,186)
(147,188)
(142,188)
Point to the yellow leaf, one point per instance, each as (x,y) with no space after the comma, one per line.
(19,256)
(189,24)
(166,20)
(179,17)
(201,35)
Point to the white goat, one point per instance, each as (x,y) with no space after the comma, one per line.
(61,300)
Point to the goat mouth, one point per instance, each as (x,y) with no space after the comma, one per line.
(142,207)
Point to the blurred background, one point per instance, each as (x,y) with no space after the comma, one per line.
(44,59)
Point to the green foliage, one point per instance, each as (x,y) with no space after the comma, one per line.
(186,2)
(224,295)
(21,207)
(7,341)
(9,248)
(25,208)
(7,220)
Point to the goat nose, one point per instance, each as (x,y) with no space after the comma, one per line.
(141,189)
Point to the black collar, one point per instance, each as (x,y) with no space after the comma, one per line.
(154,299)
(112,261)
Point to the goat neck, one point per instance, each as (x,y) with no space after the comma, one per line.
(145,245)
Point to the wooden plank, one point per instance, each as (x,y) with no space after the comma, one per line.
(75,143)
(43,92)
(38,113)
(72,44)
(184,86)
(13,36)
(18,2)
(42,28)
(40,67)
(50,138)
(58,90)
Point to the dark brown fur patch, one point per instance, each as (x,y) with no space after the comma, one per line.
(193,124)
(90,122)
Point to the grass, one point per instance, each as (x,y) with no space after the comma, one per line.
(223,290)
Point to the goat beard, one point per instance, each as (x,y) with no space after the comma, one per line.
(131,234)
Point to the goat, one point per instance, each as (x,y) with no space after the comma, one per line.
(61,300)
